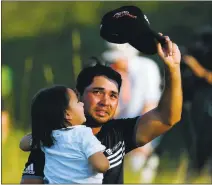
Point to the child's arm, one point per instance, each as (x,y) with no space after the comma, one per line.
(99,162)
(25,143)
(93,149)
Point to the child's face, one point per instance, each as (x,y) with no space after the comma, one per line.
(75,111)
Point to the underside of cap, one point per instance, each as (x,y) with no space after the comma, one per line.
(114,38)
(145,42)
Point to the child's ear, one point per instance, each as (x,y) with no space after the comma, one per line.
(68,115)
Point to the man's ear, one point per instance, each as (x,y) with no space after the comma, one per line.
(68,115)
(79,96)
(77,93)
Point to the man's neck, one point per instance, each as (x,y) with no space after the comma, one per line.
(96,130)
(93,124)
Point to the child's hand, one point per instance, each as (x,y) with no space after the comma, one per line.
(25,143)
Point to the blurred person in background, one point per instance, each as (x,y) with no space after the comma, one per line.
(6,100)
(197,109)
(5,121)
(140,93)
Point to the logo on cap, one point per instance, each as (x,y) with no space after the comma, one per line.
(124,13)
(145,17)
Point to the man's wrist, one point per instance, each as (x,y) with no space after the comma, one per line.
(172,71)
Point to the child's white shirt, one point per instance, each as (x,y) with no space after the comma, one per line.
(66,162)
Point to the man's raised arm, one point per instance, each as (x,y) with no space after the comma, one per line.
(168,111)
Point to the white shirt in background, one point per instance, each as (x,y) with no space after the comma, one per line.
(145,83)
(66,162)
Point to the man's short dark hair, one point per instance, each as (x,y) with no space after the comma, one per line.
(86,76)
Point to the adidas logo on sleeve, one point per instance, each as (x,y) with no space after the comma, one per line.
(29,169)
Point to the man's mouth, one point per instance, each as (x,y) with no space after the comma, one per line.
(102,113)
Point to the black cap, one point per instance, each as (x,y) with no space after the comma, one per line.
(129,24)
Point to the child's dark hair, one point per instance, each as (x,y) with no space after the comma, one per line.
(47,114)
(86,76)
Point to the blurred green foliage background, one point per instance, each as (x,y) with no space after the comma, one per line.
(46,43)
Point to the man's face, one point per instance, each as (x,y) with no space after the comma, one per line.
(100,99)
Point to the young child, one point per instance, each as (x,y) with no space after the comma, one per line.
(72,153)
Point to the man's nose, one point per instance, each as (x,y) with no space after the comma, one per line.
(105,100)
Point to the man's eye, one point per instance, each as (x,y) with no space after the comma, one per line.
(97,92)
(114,96)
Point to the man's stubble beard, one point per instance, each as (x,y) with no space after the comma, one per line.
(93,122)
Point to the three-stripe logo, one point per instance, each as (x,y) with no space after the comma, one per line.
(116,158)
(29,169)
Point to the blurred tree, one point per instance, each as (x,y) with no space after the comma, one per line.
(6,81)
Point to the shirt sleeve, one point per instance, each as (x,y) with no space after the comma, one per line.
(90,144)
(128,128)
(35,165)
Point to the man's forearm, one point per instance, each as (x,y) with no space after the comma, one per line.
(32,181)
(170,105)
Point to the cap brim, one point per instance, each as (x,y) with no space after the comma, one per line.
(145,42)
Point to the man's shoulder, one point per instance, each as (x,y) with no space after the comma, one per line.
(115,128)
(119,123)
(114,122)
